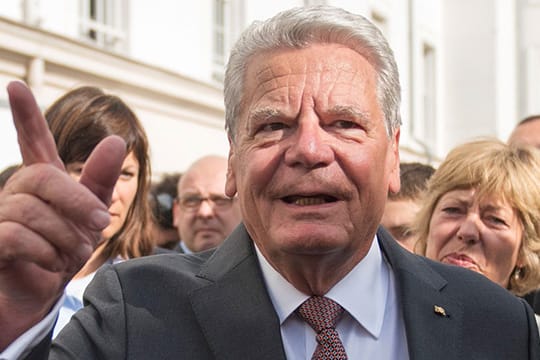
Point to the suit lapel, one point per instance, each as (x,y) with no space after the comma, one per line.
(234,311)
(238,319)
(433,319)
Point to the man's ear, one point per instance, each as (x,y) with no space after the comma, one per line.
(175,213)
(394,181)
(230,183)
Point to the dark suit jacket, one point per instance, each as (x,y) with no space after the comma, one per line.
(214,305)
(533,298)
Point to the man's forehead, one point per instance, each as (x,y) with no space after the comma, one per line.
(204,178)
(272,65)
(284,75)
(203,186)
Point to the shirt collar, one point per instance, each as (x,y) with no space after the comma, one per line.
(185,249)
(362,292)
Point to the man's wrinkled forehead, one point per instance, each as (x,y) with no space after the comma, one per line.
(271,66)
(340,71)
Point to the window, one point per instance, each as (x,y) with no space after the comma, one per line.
(31,13)
(220,39)
(429,94)
(103,22)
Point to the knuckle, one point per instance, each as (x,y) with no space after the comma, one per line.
(9,241)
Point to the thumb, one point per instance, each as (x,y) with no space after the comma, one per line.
(103,167)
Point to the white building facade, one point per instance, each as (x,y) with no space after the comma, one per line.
(468,68)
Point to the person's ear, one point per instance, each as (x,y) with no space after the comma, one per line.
(393,180)
(230,183)
(176,212)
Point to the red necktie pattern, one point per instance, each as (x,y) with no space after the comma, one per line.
(322,314)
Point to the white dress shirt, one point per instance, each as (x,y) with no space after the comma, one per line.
(185,249)
(372,325)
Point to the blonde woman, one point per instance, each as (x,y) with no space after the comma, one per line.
(481,211)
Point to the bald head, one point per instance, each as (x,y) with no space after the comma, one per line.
(527,132)
(203,214)
(208,171)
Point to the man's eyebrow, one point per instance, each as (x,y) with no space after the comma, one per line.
(190,193)
(348,111)
(264,114)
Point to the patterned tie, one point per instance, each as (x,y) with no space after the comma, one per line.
(322,314)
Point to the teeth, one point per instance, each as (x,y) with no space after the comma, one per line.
(306,201)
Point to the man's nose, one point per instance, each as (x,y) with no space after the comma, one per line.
(310,145)
(206,209)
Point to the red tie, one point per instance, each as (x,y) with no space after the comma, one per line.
(322,314)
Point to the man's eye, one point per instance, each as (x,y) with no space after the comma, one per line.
(220,201)
(345,124)
(275,126)
(190,202)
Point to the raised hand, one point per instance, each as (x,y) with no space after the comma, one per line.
(49,223)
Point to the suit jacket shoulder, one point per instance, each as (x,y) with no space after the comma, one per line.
(210,305)
(214,305)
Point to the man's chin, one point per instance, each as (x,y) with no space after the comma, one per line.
(208,242)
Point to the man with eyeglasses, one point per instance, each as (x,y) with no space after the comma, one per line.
(203,214)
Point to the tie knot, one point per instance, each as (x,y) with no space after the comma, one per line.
(320,312)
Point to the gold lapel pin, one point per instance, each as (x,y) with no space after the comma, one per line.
(439,310)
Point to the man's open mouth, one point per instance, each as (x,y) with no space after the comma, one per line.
(309,200)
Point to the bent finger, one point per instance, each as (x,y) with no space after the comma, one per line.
(74,242)
(20,243)
(60,194)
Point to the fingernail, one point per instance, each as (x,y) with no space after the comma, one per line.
(100,219)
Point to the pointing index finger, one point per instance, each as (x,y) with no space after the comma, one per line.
(36,142)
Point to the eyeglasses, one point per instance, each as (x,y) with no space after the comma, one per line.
(193,202)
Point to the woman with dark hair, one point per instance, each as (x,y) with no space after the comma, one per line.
(79,120)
